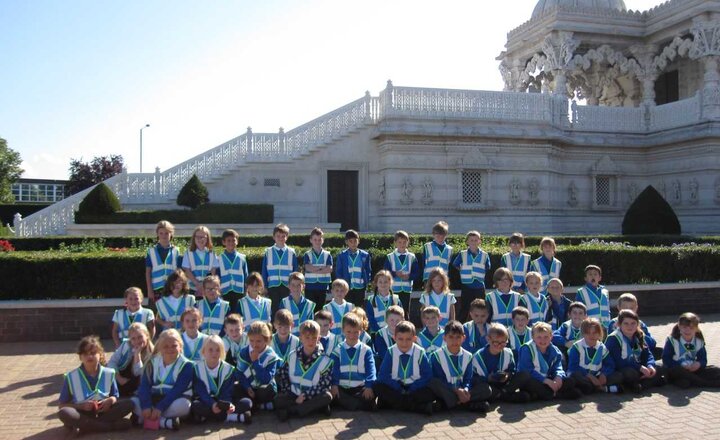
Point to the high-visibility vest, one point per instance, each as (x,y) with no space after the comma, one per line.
(444,304)
(400,285)
(597,303)
(247,369)
(162,385)
(318,260)
(166,312)
(162,269)
(200,265)
(124,319)
(585,361)
(232,273)
(431,344)
(682,353)
(410,373)
(546,275)
(213,386)
(80,389)
(518,268)
(125,352)
(502,313)
(279,267)
(436,258)
(453,375)
(300,313)
(301,379)
(255,310)
(380,306)
(292,344)
(233,347)
(213,319)
(473,268)
(626,351)
(352,370)
(355,270)
(537,307)
(338,311)
(540,365)
(515,341)
(195,353)
(479,366)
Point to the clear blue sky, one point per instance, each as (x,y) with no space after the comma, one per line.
(80,77)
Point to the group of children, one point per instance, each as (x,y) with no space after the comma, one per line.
(216,358)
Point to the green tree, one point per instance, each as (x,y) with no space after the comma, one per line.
(10,171)
(193,194)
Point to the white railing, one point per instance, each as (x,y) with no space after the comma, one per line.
(54,219)
(392,102)
(608,119)
(470,104)
(675,114)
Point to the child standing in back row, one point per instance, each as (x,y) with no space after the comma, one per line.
(278,263)
(403,266)
(437,253)
(233,269)
(161,260)
(547,265)
(318,267)
(517,261)
(353,266)
(473,263)
(199,260)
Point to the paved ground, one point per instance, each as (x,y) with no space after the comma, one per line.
(31,375)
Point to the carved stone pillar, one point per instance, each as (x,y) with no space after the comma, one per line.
(646,72)
(512,74)
(558,49)
(706,49)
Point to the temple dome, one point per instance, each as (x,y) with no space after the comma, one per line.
(546,5)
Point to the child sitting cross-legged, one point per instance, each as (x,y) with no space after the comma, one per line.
(494,368)
(430,337)
(304,380)
(404,374)
(685,357)
(235,339)
(257,365)
(476,330)
(354,373)
(453,373)
(590,363)
(519,333)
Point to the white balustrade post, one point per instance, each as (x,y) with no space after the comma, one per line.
(389,103)
(17,223)
(157,178)
(250,141)
(282,146)
(367,107)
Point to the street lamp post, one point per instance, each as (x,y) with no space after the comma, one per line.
(143,128)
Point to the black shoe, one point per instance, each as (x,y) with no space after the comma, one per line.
(282,414)
(135,420)
(247,417)
(573,394)
(427,409)
(373,406)
(175,423)
(120,425)
(634,387)
(517,397)
(682,383)
(481,407)
(327,411)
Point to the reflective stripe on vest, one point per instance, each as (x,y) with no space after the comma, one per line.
(471,332)
(278,267)
(301,379)
(515,341)
(234,347)
(431,343)
(384,334)
(247,368)
(503,313)
(200,266)
(300,313)
(213,319)
(202,372)
(519,268)
(252,311)
(352,370)
(592,364)
(166,313)
(80,387)
(453,376)
(380,306)
(292,344)
(682,353)
(123,320)
(355,270)
(411,372)
(232,277)
(472,268)
(434,258)
(322,260)
(400,285)
(597,307)
(503,363)
(126,354)
(539,363)
(571,333)
(537,306)
(194,354)
(338,312)
(162,269)
(547,275)
(430,299)
(161,385)
(625,349)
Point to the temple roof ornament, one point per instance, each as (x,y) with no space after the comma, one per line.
(544,6)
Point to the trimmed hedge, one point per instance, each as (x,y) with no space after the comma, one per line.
(57,274)
(367,241)
(209,213)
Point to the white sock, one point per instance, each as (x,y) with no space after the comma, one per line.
(232,418)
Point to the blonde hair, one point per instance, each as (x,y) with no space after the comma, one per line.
(260,329)
(360,313)
(213,339)
(556,280)
(296,276)
(340,283)
(535,275)
(133,289)
(438,272)
(541,327)
(190,311)
(547,241)
(141,328)
(164,224)
(206,231)
(163,339)
(309,328)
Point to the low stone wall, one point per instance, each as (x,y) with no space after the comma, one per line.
(56,320)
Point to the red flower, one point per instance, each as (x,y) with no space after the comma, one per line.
(6,246)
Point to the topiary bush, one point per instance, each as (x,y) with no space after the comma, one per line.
(193,194)
(650,214)
(101,200)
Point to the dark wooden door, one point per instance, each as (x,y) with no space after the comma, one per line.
(342,198)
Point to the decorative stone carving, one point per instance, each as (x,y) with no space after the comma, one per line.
(533,192)
(632,192)
(427,198)
(605,166)
(676,192)
(299,181)
(646,70)
(515,191)
(381,190)
(706,38)
(694,191)
(558,49)
(572,194)
(407,190)
(253,181)
(474,159)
